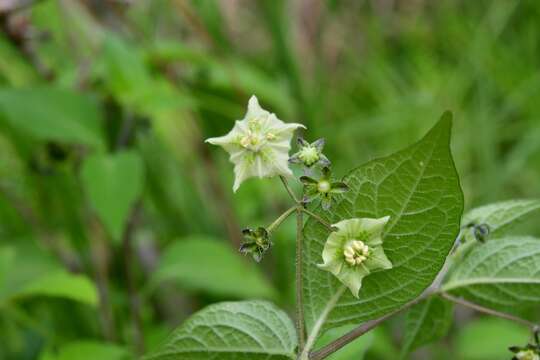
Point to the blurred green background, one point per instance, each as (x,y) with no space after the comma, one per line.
(117,221)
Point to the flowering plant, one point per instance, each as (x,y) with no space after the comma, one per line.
(385,238)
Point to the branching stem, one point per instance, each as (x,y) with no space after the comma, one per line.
(319,219)
(280,219)
(289,190)
(484,310)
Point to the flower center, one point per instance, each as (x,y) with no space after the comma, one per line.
(323,186)
(355,252)
(251,140)
(309,155)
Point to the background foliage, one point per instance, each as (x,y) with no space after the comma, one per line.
(116,222)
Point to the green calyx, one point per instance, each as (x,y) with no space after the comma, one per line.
(256,243)
(310,154)
(323,188)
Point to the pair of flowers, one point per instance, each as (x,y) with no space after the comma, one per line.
(259,146)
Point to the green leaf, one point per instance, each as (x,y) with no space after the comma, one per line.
(87,350)
(40,276)
(247,330)
(113,183)
(419,189)
(426,322)
(501,216)
(502,274)
(49,113)
(62,284)
(204,264)
(488,339)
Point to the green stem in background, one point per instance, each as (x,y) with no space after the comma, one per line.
(280,219)
(484,310)
(299,285)
(134,298)
(319,219)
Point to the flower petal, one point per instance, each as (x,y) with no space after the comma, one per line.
(334,266)
(352,278)
(254,109)
(333,247)
(377,259)
(374,227)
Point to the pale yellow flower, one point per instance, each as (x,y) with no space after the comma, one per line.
(355,250)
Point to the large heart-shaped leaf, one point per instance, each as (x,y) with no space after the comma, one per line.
(247,330)
(113,183)
(503,274)
(419,189)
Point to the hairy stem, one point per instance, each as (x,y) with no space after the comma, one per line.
(319,219)
(280,219)
(484,310)
(299,285)
(288,188)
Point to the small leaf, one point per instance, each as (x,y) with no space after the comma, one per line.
(62,284)
(49,113)
(87,350)
(247,330)
(40,276)
(502,274)
(113,183)
(501,216)
(426,322)
(419,189)
(204,264)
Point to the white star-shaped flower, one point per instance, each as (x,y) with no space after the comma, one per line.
(258,145)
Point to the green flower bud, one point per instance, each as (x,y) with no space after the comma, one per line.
(324,188)
(310,154)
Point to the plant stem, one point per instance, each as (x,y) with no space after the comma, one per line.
(299,285)
(134,299)
(280,219)
(319,219)
(484,310)
(288,188)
